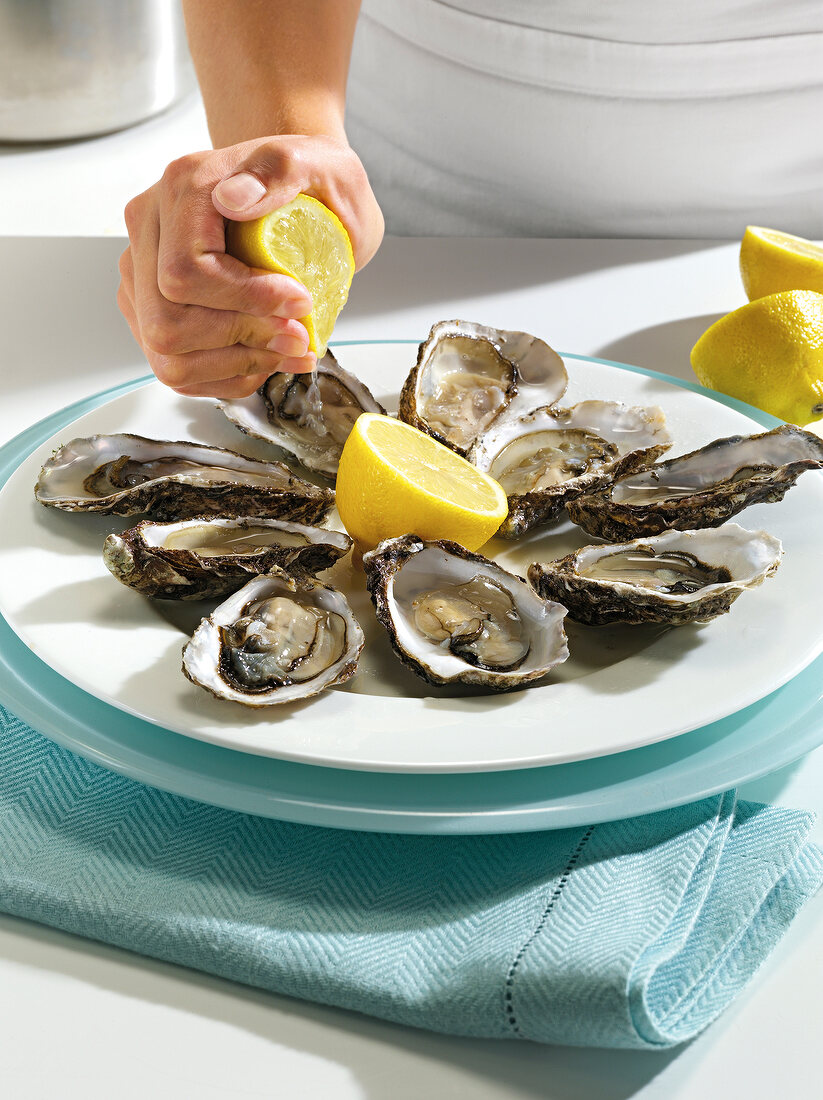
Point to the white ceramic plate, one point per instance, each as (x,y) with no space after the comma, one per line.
(622,687)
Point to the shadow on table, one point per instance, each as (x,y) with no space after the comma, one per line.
(418,1063)
(665,347)
(475,266)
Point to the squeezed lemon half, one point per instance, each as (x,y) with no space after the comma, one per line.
(308,241)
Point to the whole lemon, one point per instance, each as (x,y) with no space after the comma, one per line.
(768,353)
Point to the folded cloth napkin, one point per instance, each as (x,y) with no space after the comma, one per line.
(636,933)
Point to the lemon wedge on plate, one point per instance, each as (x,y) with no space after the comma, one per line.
(771,261)
(768,353)
(395,480)
(308,241)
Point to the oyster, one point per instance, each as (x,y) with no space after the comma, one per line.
(703,488)
(677,577)
(468,376)
(127,474)
(306,415)
(278,639)
(197,558)
(550,456)
(453,615)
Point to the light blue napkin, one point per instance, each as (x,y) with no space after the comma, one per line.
(631,934)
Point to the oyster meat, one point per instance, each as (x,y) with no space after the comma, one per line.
(701,489)
(676,577)
(550,456)
(127,474)
(198,558)
(306,415)
(278,639)
(468,376)
(454,616)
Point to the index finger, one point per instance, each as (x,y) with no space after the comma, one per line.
(193,267)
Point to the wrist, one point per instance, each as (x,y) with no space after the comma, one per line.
(310,116)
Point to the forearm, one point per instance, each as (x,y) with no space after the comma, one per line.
(270,67)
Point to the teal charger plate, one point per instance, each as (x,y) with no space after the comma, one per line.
(747,745)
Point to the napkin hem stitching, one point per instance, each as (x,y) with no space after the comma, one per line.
(511,1016)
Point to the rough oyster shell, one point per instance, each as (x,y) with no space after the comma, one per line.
(311,424)
(454,616)
(198,558)
(127,474)
(279,639)
(700,489)
(550,456)
(677,577)
(468,376)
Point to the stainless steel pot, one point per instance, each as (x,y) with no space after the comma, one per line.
(72,68)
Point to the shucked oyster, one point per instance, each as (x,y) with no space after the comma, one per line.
(278,639)
(306,415)
(196,558)
(703,488)
(677,577)
(453,615)
(551,456)
(127,474)
(468,376)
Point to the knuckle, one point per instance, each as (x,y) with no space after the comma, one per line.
(249,364)
(182,168)
(175,278)
(123,299)
(244,331)
(133,213)
(163,334)
(171,372)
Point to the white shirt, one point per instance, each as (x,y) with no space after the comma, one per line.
(591,118)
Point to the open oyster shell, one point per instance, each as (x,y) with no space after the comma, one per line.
(550,456)
(701,489)
(310,422)
(127,474)
(677,577)
(468,376)
(198,558)
(279,639)
(454,616)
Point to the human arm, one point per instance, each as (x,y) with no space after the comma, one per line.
(273,77)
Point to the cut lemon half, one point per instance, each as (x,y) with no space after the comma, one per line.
(768,353)
(771,261)
(308,241)
(395,480)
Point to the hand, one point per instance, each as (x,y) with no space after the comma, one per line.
(208,325)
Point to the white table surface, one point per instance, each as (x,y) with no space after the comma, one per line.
(80,1020)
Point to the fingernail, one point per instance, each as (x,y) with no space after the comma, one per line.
(295,308)
(301,365)
(285,344)
(239,192)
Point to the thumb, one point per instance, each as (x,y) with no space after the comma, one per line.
(249,194)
